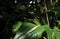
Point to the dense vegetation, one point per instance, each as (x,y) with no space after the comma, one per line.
(29,19)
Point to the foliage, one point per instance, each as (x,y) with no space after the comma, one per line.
(34,31)
(30,19)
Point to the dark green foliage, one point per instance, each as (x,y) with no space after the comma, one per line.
(21,16)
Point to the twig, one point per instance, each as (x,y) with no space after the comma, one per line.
(45,7)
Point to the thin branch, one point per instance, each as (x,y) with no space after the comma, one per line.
(45,7)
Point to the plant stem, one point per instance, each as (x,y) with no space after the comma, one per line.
(49,33)
(45,7)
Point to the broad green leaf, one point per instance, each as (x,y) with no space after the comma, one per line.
(38,32)
(34,31)
(18,34)
(25,29)
(26,26)
(16,26)
(49,32)
(56,33)
(30,31)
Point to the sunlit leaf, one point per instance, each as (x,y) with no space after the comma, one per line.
(38,32)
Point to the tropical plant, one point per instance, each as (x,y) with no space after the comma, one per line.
(30,19)
(43,13)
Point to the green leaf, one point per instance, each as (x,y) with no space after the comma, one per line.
(49,32)
(30,31)
(38,32)
(26,26)
(16,26)
(37,22)
(24,30)
(56,33)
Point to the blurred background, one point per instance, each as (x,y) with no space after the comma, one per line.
(12,11)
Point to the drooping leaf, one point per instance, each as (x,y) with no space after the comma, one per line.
(30,31)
